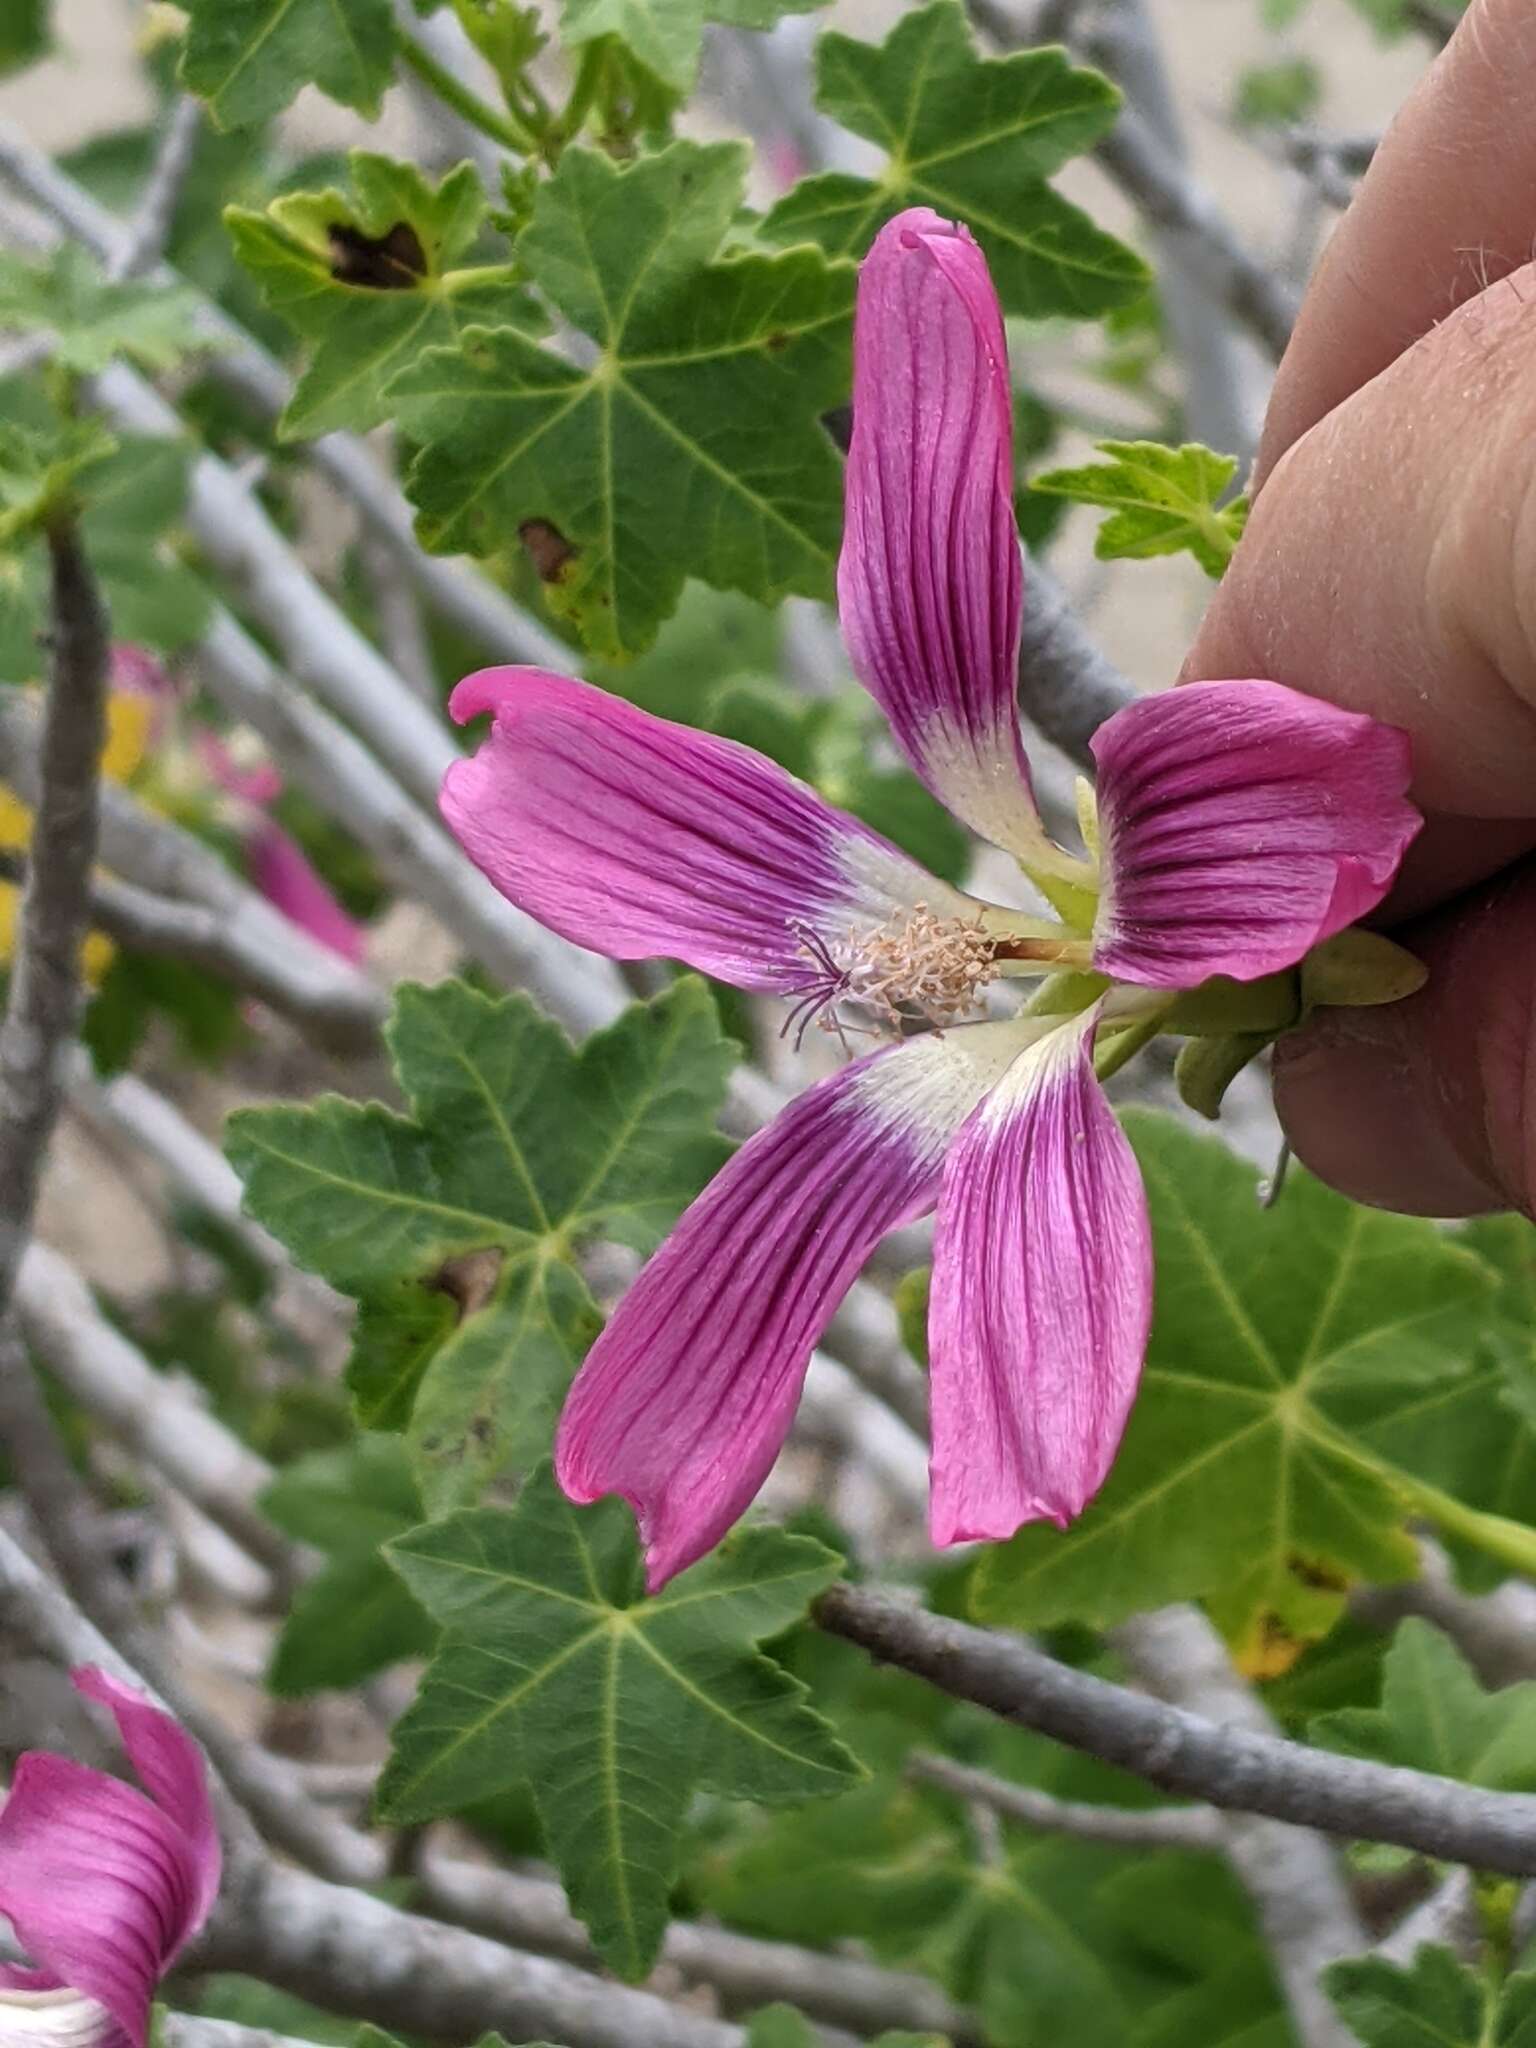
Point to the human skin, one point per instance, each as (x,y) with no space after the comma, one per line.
(1390,566)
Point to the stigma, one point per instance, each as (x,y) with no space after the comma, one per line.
(915,967)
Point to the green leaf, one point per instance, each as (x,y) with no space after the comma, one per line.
(1287,91)
(665,35)
(1434,1716)
(1437,2003)
(1025,1940)
(371,278)
(613,1707)
(93,321)
(691,445)
(1474,1436)
(1162,500)
(975,138)
(1237,1480)
(24,33)
(355,1617)
(40,476)
(248,58)
(519,1151)
(133,492)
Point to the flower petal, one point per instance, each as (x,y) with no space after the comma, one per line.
(639,838)
(100,1886)
(1042,1296)
(36,2013)
(170,1767)
(283,873)
(686,1398)
(1241,824)
(930,581)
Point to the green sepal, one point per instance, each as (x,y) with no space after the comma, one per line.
(1221,1006)
(1357,969)
(1206,1068)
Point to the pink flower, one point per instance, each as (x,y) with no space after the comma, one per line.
(1238,825)
(103,1885)
(279,866)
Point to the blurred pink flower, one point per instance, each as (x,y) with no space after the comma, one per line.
(103,1884)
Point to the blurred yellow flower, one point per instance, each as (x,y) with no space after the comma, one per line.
(129,718)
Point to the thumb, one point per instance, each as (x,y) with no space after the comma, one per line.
(1390,566)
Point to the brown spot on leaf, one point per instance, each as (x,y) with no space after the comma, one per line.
(469,1281)
(1311,1571)
(548,549)
(395,262)
(776,343)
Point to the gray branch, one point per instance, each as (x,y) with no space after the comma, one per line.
(153,1414)
(1234,1768)
(143,241)
(1067,685)
(352,1953)
(1219,404)
(181,899)
(1124,1827)
(39,1026)
(1170,200)
(1495,1632)
(1291,1874)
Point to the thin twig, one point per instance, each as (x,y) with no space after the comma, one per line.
(1292,1874)
(150,1412)
(1170,200)
(1495,1632)
(40,1017)
(1448,1918)
(1125,1827)
(1220,406)
(126,1111)
(181,899)
(150,229)
(1234,1768)
(342,1012)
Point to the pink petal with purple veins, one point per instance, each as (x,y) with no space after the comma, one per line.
(686,1398)
(1042,1298)
(282,872)
(640,838)
(929,582)
(169,1765)
(103,1885)
(1241,824)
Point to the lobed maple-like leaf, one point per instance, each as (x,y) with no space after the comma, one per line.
(665,35)
(556,1671)
(248,58)
(90,319)
(371,278)
(1161,501)
(457,1228)
(685,439)
(1436,2002)
(976,138)
(1435,1716)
